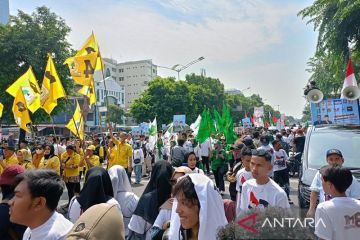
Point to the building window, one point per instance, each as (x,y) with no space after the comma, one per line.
(113,69)
(121,78)
(121,70)
(107,72)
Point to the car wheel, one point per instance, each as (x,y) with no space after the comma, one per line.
(302,201)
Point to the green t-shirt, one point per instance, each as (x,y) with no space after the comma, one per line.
(216,162)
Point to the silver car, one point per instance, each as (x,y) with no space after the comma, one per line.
(319,139)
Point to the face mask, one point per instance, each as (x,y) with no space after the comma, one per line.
(38,151)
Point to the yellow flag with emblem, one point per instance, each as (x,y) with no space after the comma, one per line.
(20,111)
(76,123)
(51,88)
(89,91)
(91,46)
(30,89)
(82,68)
(1,109)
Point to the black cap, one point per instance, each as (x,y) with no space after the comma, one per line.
(333,151)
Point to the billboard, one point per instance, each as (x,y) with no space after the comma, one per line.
(246,122)
(335,111)
(179,123)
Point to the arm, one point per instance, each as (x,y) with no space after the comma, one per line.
(130,153)
(313,199)
(116,142)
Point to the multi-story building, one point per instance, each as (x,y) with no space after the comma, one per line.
(233,91)
(134,76)
(4,11)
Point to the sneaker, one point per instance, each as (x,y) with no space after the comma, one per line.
(291,202)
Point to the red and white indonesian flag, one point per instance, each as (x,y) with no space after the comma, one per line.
(350,79)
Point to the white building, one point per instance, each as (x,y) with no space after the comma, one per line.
(134,76)
(4,11)
(115,95)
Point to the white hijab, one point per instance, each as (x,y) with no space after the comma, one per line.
(212,213)
(119,180)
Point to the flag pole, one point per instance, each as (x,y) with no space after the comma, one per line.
(53,127)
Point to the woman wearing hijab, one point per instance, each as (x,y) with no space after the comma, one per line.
(24,159)
(155,194)
(162,222)
(198,209)
(97,189)
(50,160)
(123,193)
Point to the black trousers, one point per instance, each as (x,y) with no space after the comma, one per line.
(71,188)
(205,161)
(282,178)
(219,176)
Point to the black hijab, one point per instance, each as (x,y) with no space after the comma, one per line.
(97,188)
(156,192)
(52,151)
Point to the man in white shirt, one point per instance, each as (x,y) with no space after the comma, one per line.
(262,191)
(339,217)
(265,145)
(281,173)
(334,157)
(37,195)
(205,150)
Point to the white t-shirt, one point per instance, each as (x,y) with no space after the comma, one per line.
(204,148)
(338,218)
(75,208)
(58,149)
(138,154)
(280,158)
(241,177)
(254,195)
(353,191)
(55,228)
(198,170)
(197,152)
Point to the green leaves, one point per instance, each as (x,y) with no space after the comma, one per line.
(26,41)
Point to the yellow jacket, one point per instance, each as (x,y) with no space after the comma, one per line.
(10,161)
(124,152)
(72,162)
(51,163)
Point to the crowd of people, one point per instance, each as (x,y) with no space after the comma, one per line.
(180,201)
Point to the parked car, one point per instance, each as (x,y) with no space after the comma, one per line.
(318,140)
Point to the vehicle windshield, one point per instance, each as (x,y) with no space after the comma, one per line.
(347,141)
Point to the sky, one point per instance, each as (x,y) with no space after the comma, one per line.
(261,44)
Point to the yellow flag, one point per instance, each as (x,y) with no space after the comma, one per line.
(90,46)
(76,123)
(89,91)
(20,111)
(30,89)
(82,68)
(51,88)
(1,109)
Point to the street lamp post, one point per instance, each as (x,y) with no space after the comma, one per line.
(178,67)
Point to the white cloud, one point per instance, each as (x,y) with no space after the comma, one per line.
(227,33)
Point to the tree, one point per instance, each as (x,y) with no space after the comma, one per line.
(116,114)
(338,24)
(25,42)
(166,97)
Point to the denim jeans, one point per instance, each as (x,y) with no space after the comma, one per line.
(138,172)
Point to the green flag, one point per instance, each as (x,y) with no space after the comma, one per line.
(271,120)
(206,127)
(228,123)
(219,122)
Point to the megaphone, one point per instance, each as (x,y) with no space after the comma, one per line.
(351,92)
(315,95)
